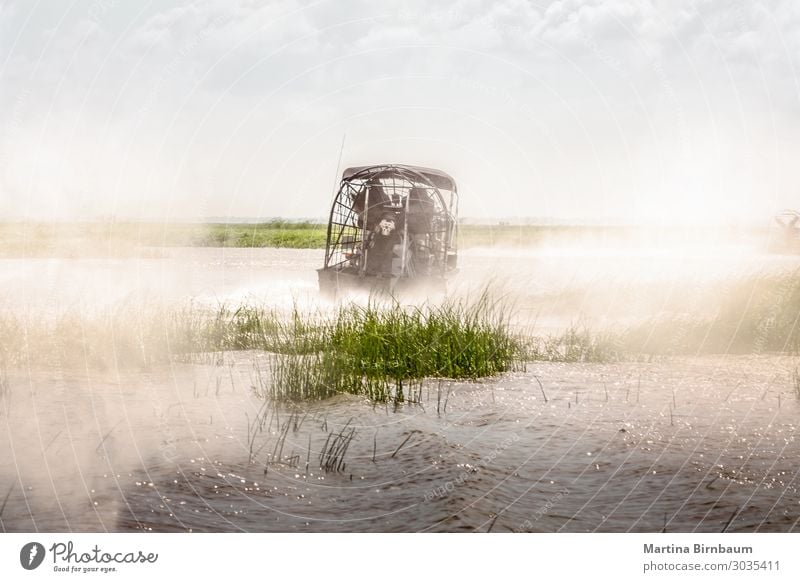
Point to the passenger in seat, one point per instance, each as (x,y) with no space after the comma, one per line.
(381,244)
(420,211)
(376,200)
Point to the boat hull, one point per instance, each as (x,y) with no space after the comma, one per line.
(334,283)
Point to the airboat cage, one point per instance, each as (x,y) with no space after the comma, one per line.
(784,234)
(391,223)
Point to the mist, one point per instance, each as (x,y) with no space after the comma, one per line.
(654,113)
(615,347)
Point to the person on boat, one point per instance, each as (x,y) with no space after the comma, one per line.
(369,203)
(419,218)
(420,211)
(381,244)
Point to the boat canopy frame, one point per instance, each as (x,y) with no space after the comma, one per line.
(417,205)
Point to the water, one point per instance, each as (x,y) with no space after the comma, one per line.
(680,444)
(208,275)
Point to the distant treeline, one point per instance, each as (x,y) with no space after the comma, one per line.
(311,235)
(279,234)
(34,237)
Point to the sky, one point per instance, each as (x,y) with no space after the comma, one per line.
(661,111)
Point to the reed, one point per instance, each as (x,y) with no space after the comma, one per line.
(5,391)
(754,314)
(575,344)
(331,457)
(385,352)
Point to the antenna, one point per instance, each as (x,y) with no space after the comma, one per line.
(338,165)
(333,199)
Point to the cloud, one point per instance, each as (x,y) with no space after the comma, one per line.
(215,106)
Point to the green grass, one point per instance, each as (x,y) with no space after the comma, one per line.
(378,351)
(592,236)
(123,238)
(576,344)
(755,314)
(384,352)
(277,234)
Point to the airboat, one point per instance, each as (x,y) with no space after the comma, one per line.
(784,236)
(392,228)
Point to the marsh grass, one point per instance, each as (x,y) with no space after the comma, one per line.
(144,335)
(384,352)
(331,457)
(124,336)
(575,344)
(5,390)
(751,315)
(452,340)
(306,376)
(756,314)
(112,238)
(276,233)
(381,350)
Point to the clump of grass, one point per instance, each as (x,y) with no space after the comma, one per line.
(759,314)
(146,335)
(246,327)
(331,457)
(277,233)
(306,376)
(384,352)
(452,340)
(575,344)
(122,239)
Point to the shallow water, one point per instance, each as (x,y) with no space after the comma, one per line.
(572,283)
(210,275)
(693,444)
(682,445)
